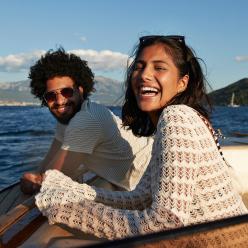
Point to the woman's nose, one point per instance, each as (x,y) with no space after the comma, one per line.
(146,73)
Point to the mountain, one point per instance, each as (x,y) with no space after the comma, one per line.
(16,93)
(108,92)
(222,97)
(111,92)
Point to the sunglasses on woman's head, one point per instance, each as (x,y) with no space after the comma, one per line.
(51,96)
(146,38)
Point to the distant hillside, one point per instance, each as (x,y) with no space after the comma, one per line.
(108,92)
(222,97)
(16,92)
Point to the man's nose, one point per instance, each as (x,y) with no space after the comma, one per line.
(60,99)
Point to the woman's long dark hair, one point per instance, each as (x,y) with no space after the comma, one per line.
(194,95)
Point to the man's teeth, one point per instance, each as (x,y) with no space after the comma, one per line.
(148,90)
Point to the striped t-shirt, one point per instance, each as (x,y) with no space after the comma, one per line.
(109,150)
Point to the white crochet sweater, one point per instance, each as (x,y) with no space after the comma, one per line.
(186,182)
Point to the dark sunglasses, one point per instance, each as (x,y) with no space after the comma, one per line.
(51,96)
(147,38)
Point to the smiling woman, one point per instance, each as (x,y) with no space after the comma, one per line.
(187,180)
(155,80)
(169,67)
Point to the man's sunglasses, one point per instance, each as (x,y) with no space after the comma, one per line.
(148,38)
(51,96)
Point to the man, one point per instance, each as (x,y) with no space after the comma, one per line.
(87,133)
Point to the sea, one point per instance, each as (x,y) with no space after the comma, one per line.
(26,133)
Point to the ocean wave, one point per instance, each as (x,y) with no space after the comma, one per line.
(27,132)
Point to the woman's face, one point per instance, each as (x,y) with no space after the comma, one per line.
(155,80)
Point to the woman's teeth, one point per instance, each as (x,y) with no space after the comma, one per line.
(148,91)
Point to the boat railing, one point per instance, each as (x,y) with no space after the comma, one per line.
(19,223)
(230,232)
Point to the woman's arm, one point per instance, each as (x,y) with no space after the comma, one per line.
(136,199)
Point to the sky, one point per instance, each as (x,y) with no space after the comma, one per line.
(104,32)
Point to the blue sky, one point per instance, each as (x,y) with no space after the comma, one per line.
(104,32)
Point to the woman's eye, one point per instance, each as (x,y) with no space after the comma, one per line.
(138,67)
(160,68)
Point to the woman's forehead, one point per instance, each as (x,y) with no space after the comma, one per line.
(156,52)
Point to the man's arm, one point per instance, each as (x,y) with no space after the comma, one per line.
(66,161)
(54,148)
(56,158)
(30,181)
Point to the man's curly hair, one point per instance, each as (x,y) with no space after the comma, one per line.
(59,63)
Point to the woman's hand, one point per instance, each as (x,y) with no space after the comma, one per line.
(30,183)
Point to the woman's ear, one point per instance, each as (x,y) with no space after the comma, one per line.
(183,83)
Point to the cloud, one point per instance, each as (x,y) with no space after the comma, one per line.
(241,58)
(105,60)
(19,62)
(83,39)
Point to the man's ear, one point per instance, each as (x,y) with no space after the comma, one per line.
(183,83)
(81,90)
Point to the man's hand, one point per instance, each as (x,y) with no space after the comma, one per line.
(30,183)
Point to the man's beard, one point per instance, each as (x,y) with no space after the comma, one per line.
(65,118)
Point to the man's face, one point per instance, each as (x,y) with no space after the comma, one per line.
(63,99)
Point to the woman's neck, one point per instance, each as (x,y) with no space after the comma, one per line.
(154,116)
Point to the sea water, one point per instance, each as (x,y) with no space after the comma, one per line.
(26,134)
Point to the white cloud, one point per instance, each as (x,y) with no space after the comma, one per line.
(83,39)
(241,58)
(19,62)
(105,60)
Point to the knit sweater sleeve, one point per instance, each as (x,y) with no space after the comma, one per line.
(139,198)
(173,174)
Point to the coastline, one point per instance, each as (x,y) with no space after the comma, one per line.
(14,103)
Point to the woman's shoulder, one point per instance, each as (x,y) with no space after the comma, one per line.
(180,115)
(181,120)
(180,110)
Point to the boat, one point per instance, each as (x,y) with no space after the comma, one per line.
(232,104)
(22,225)
(231,232)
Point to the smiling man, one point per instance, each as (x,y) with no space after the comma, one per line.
(87,133)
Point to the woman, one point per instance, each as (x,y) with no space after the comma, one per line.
(187,180)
